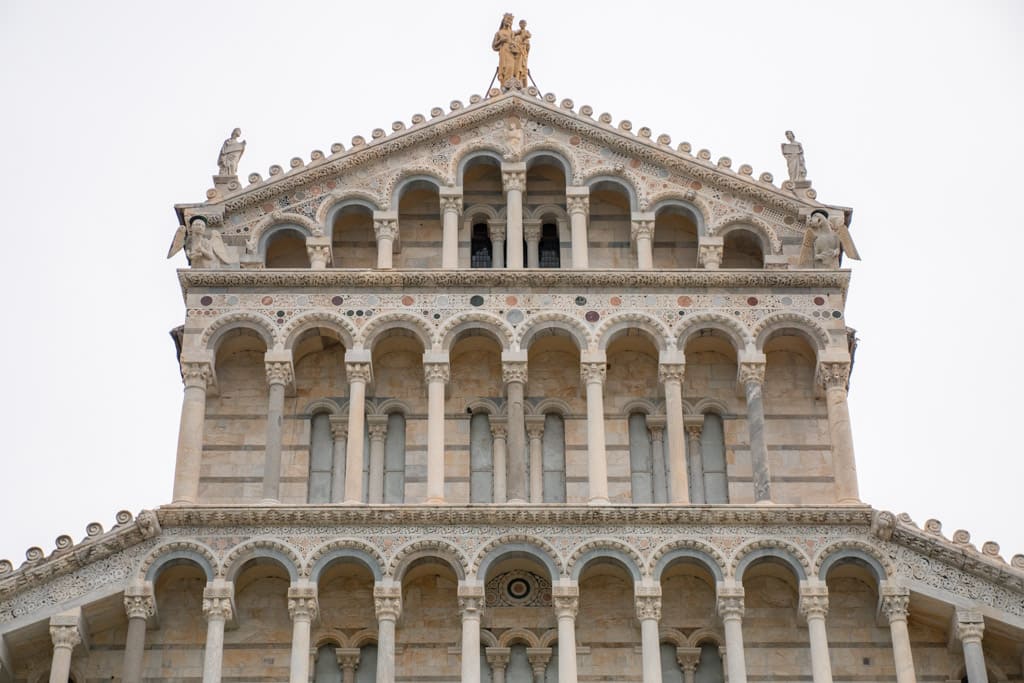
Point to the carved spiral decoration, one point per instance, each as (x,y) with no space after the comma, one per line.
(605,118)
(1016,561)
(550,97)
(316,155)
(6,567)
(725,162)
(664,139)
(418,119)
(473,99)
(684,147)
(767,178)
(644,132)
(587,110)
(625,124)
(455,105)
(338,147)
(567,103)
(275,170)
(961,537)
(255,178)
(93,529)
(990,548)
(123,517)
(704,154)
(377,133)
(64,542)
(34,554)
(746,169)
(532,91)
(904,518)
(397,126)
(933,526)
(358,140)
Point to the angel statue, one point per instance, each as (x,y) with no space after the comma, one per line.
(204,246)
(825,240)
(230,154)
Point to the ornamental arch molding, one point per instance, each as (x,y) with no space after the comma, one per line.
(391,405)
(178,551)
(563,322)
(471,213)
(487,638)
(710,405)
(518,635)
(434,548)
(688,549)
(517,545)
(765,328)
(279,220)
(322,405)
(544,210)
(332,636)
(655,330)
(367,636)
(398,183)
(853,549)
(485,406)
(672,636)
(497,328)
(255,322)
(472,151)
(626,182)
(549,638)
(776,548)
(263,548)
(731,328)
(395,320)
(550,405)
(644,406)
(339,199)
(551,150)
(705,635)
(342,549)
(735,221)
(338,324)
(606,548)
(690,201)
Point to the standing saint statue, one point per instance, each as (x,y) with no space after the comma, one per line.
(794,153)
(522,40)
(230,153)
(505,45)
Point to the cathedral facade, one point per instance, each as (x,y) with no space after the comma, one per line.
(514,393)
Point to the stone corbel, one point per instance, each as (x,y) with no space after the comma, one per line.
(776,262)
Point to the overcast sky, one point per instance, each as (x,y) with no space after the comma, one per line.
(910,112)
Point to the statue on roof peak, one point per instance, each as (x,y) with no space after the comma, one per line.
(794,153)
(230,154)
(513,48)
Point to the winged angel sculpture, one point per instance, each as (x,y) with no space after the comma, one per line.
(824,240)
(204,246)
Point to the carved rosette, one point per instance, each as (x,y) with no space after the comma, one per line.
(730,602)
(671,372)
(385,228)
(339,427)
(710,255)
(834,375)
(751,373)
(358,372)
(196,374)
(641,230)
(217,607)
(436,372)
(513,371)
(970,631)
(513,180)
(578,205)
(896,603)
(593,373)
(648,607)
(814,602)
(139,606)
(279,373)
(65,636)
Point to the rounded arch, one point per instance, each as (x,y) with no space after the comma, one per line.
(333,321)
(852,549)
(480,150)
(339,199)
(598,548)
(280,220)
(322,405)
(500,330)
(518,635)
(641,405)
(687,549)
(189,551)
(345,549)
(690,202)
(558,212)
(397,319)
(770,241)
(705,635)
(731,328)
(428,547)
(487,638)
(550,405)
(710,405)
(220,326)
(559,321)
(332,636)
(257,548)
(516,544)
(775,548)
(615,325)
(551,151)
(816,335)
(484,405)
(391,405)
(409,176)
(471,213)
(549,637)
(602,176)
(672,636)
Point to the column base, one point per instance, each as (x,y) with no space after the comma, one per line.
(517,501)
(436,501)
(599,501)
(352,502)
(766,501)
(270,501)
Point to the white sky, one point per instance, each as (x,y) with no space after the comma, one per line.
(910,112)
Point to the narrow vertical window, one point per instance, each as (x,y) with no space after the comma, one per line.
(481,251)
(481,464)
(321,456)
(710,669)
(670,669)
(394,459)
(640,459)
(550,252)
(553,447)
(712,446)
(367,670)
(326,668)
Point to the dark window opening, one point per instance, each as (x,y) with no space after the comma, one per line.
(480,250)
(550,252)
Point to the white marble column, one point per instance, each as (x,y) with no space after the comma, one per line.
(647,599)
(642,233)
(577,201)
(65,634)
(814,607)
(348,662)
(378,428)
(593,375)
(970,627)
(535,431)
(499,433)
(835,377)
(471,604)
(359,374)
(451,208)
(896,607)
(387,601)
(318,248)
(694,425)
(339,430)
(566,597)
(531,233)
(538,658)
(140,606)
(196,376)
(303,608)
(514,375)
(280,374)
(218,607)
(751,376)
(513,179)
(496,231)
(385,228)
(437,373)
(730,608)
(498,657)
(656,427)
(671,376)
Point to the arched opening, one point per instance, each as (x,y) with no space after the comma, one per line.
(519,605)
(321,458)
(742,249)
(429,624)
(286,248)
(675,238)
(482,186)
(475,375)
(688,600)
(550,246)
(553,446)
(607,618)
(710,667)
(394,458)
(261,613)
(771,600)
(419,226)
(481,250)
(345,595)
(398,375)
(326,667)
(632,376)
(852,608)
(553,361)
(712,458)
(609,230)
(178,590)
(711,362)
(353,242)
(481,464)
(545,182)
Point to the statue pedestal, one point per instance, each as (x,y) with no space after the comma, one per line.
(226,183)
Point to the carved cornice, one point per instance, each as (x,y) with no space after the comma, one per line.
(533,279)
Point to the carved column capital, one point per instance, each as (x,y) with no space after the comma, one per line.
(436,372)
(895,602)
(279,372)
(451,203)
(834,375)
(647,607)
(339,426)
(498,657)
(694,425)
(688,658)
(387,601)
(813,601)
(710,255)
(496,228)
(499,427)
(531,229)
(730,602)
(348,658)
(641,229)
(750,372)
(538,658)
(377,425)
(65,636)
(197,374)
(217,601)
(302,602)
(671,372)
(513,371)
(593,373)
(577,205)
(970,627)
(566,599)
(140,603)
(385,228)
(513,180)
(359,372)
(471,599)
(319,254)
(656,426)
(534,426)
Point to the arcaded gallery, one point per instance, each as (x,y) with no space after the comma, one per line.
(514,392)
